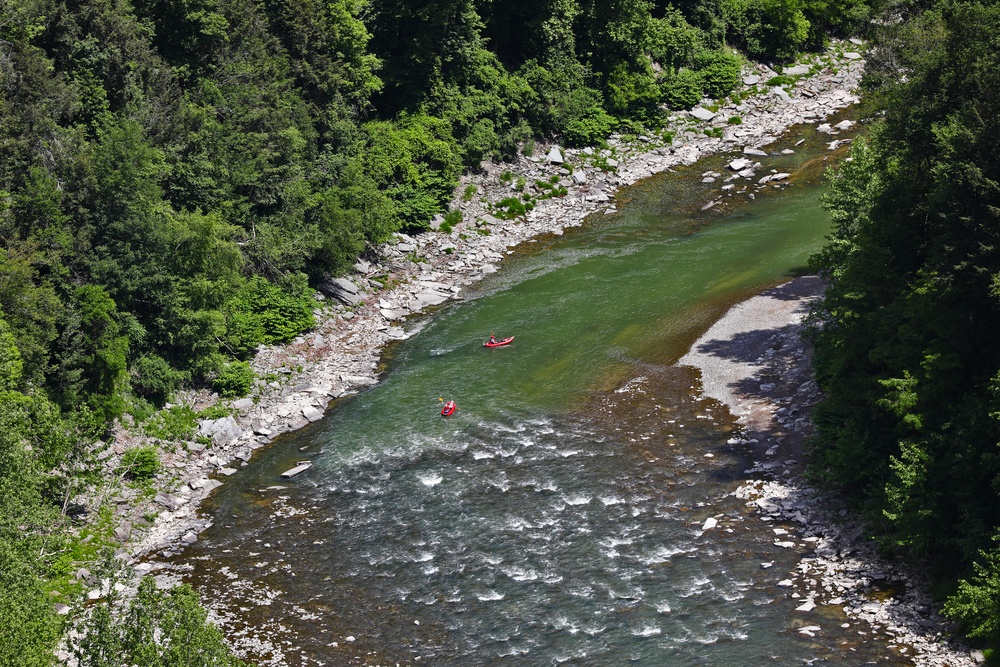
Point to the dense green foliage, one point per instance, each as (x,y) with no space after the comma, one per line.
(177,174)
(158,629)
(906,339)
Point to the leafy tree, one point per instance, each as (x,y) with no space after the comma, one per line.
(159,629)
(234,380)
(771,29)
(905,350)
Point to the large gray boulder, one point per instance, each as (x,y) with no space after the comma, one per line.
(341,289)
(222,431)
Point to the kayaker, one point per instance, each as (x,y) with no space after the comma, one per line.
(493,339)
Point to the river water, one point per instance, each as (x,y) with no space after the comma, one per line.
(556,517)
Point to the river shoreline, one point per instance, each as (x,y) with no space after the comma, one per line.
(412,274)
(404,278)
(755,361)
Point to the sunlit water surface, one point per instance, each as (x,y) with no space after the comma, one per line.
(556,518)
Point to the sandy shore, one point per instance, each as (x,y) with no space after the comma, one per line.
(755,362)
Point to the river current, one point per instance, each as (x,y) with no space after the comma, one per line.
(557,517)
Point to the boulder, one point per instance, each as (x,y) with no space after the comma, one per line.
(739,164)
(751,79)
(222,431)
(311,413)
(427,298)
(297,470)
(702,113)
(341,289)
(555,156)
(172,503)
(796,70)
(579,177)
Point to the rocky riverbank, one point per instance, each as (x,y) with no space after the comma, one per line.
(754,361)
(364,311)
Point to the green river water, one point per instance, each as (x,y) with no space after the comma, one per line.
(554,519)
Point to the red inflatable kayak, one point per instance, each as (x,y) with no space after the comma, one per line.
(449,408)
(504,341)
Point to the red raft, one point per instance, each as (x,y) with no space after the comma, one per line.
(449,408)
(499,343)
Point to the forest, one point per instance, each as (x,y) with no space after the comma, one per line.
(906,338)
(178,175)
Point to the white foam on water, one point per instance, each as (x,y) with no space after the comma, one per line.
(585,592)
(566,453)
(430,479)
(543,486)
(520,574)
(662,607)
(489,596)
(423,557)
(480,454)
(647,631)
(577,499)
(608,501)
(662,554)
(697,587)
(503,484)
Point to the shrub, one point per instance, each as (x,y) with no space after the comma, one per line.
(264,312)
(451,218)
(719,72)
(582,120)
(140,463)
(682,90)
(155,380)
(509,208)
(470,191)
(735,120)
(234,380)
(177,423)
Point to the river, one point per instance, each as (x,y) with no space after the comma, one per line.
(556,517)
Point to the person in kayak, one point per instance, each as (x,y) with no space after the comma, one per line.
(493,339)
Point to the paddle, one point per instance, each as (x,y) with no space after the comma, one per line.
(442,400)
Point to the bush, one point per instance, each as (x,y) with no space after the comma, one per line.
(719,72)
(682,90)
(140,463)
(155,380)
(234,380)
(509,208)
(177,423)
(768,29)
(263,312)
(976,604)
(451,218)
(582,120)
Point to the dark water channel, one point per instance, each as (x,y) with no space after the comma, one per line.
(555,519)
